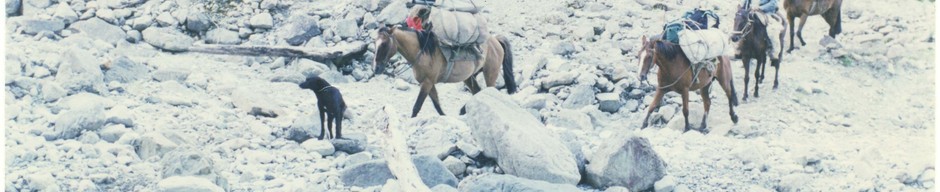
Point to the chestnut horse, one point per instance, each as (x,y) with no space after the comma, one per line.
(421,49)
(675,75)
(751,35)
(831,10)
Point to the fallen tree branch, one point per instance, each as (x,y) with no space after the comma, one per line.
(339,52)
(397,155)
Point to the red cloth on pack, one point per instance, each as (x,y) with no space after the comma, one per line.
(414,23)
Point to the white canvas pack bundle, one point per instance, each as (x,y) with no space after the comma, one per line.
(699,45)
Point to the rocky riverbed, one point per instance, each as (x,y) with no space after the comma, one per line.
(99,97)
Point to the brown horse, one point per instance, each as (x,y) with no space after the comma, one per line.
(831,10)
(421,50)
(751,35)
(675,75)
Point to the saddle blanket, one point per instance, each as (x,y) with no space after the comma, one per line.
(699,45)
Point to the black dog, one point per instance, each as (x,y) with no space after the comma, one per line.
(329,102)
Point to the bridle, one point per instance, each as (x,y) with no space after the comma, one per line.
(748,27)
(392,40)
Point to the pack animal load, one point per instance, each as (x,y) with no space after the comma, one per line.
(459,29)
(698,41)
(700,45)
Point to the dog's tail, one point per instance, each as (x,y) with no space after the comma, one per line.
(508,75)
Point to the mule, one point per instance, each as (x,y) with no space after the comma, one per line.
(830,10)
(421,50)
(750,34)
(330,104)
(675,75)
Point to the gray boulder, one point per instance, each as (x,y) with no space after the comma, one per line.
(263,21)
(167,38)
(455,166)
(581,95)
(187,184)
(222,36)
(134,36)
(156,144)
(141,23)
(65,13)
(436,136)
(302,129)
(521,145)
(374,173)
(350,143)
(52,91)
(166,20)
(80,71)
(197,22)
(117,4)
(85,113)
(13,7)
(100,30)
(609,102)
(346,28)
(190,162)
(298,29)
(394,13)
(320,146)
(495,182)
(629,162)
(124,70)
(32,26)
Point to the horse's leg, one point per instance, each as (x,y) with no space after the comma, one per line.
(791,19)
(777,73)
(685,107)
(707,101)
(437,105)
(472,84)
(762,68)
(425,88)
(799,32)
(653,106)
(747,78)
(491,74)
(760,62)
(322,123)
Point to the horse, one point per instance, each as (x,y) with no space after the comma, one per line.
(675,75)
(330,104)
(750,33)
(830,10)
(421,50)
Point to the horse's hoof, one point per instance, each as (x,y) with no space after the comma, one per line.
(776,85)
(320,138)
(734,119)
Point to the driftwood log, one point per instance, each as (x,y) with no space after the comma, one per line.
(339,54)
(397,155)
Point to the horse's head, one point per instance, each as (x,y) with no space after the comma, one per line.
(385,48)
(743,23)
(645,57)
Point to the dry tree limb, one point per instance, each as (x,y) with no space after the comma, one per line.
(317,54)
(397,155)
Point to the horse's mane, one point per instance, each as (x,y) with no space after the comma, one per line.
(666,48)
(427,41)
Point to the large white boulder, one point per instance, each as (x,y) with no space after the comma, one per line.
(521,145)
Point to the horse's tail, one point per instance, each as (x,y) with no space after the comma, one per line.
(508,77)
(839,18)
